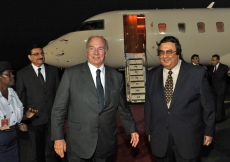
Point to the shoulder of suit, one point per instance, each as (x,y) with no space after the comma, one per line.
(74,67)
(196,71)
(196,68)
(155,69)
(112,71)
(25,68)
(50,66)
(223,65)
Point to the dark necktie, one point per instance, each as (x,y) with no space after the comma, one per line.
(169,88)
(40,76)
(100,90)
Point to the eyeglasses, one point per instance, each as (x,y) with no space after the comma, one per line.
(168,52)
(37,54)
(93,49)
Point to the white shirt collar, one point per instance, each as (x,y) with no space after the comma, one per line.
(35,67)
(93,68)
(175,70)
(10,94)
(217,65)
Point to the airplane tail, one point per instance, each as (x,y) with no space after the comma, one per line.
(211,5)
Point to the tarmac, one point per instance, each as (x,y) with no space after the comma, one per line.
(219,150)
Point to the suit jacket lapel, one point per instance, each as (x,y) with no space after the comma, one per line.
(48,76)
(219,67)
(87,77)
(108,83)
(33,75)
(182,78)
(160,85)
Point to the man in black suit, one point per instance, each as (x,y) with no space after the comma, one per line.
(36,87)
(92,94)
(179,107)
(218,74)
(196,60)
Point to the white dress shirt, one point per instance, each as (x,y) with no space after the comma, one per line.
(11,108)
(42,70)
(93,70)
(217,65)
(175,73)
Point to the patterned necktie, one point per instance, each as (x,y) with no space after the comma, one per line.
(40,76)
(100,89)
(169,88)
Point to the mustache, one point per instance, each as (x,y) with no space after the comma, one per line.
(40,59)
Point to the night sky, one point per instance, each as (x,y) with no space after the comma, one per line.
(27,22)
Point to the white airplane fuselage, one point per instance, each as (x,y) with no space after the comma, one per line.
(70,49)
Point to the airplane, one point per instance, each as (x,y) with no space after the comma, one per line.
(132,37)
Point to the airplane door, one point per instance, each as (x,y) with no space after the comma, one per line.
(134,43)
(134,33)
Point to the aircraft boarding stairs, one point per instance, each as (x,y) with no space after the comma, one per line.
(135,77)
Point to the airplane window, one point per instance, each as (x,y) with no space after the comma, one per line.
(201,27)
(181,27)
(162,28)
(220,26)
(92,25)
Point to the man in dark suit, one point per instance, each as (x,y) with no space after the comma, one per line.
(218,74)
(196,60)
(179,107)
(36,87)
(92,129)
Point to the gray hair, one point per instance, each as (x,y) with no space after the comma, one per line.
(105,41)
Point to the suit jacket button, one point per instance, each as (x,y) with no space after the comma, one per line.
(168,112)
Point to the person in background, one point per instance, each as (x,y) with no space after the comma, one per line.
(11,113)
(196,60)
(92,93)
(218,74)
(36,87)
(179,107)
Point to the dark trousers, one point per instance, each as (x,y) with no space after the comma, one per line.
(220,110)
(95,158)
(173,155)
(41,143)
(8,146)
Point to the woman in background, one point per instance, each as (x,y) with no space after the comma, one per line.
(11,114)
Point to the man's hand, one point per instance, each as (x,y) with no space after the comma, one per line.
(207,140)
(134,139)
(29,113)
(60,147)
(22,127)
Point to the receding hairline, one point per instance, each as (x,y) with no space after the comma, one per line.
(97,36)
